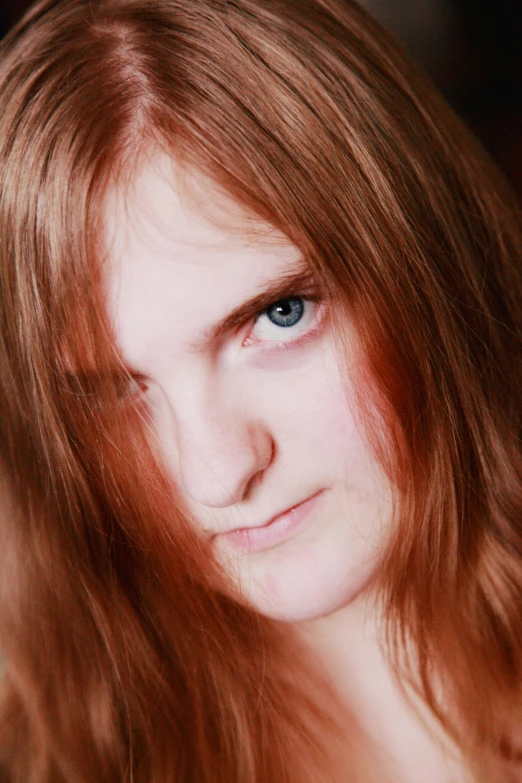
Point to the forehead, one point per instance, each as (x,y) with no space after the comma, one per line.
(180,256)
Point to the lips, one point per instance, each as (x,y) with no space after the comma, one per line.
(263,524)
(274,530)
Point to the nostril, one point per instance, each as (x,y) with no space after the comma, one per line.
(223,472)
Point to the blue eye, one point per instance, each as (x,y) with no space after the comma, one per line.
(286,312)
(284,320)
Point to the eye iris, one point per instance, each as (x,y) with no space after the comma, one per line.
(286,312)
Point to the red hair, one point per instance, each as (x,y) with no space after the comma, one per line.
(125,657)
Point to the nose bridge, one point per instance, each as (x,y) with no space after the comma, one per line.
(220,445)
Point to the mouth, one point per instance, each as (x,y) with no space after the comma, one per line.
(273,532)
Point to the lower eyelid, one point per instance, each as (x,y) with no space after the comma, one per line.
(297,342)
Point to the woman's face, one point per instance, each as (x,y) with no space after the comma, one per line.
(249,405)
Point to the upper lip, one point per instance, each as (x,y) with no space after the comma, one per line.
(268,521)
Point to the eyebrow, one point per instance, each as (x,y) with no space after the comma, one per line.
(285,285)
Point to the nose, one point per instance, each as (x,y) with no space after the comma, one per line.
(220,449)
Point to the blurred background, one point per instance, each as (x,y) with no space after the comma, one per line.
(471,49)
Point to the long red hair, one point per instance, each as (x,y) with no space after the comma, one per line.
(125,657)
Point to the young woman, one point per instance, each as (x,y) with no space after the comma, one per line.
(260,324)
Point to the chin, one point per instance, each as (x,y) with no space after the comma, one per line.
(304,597)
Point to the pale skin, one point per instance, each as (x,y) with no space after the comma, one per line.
(255,421)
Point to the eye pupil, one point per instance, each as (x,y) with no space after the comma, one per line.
(286,312)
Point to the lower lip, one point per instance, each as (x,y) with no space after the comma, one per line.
(254,539)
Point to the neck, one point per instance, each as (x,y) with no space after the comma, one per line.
(349,648)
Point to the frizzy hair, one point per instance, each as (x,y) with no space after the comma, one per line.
(125,660)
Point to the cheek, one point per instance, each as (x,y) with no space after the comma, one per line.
(310,405)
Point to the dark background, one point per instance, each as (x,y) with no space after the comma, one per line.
(471,48)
